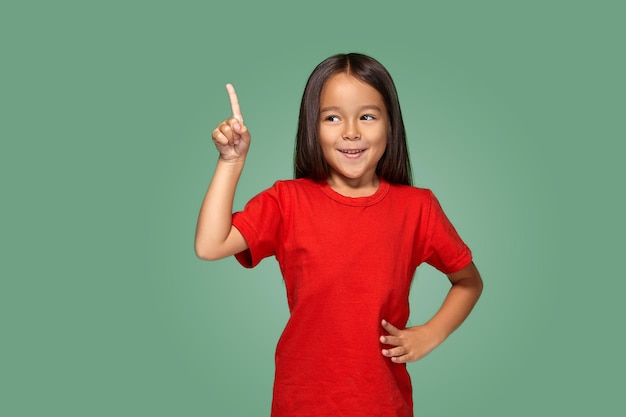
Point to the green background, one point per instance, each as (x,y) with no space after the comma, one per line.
(515,117)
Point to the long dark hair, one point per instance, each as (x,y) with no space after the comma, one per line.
(394,166)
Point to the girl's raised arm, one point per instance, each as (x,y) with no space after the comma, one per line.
(216,237)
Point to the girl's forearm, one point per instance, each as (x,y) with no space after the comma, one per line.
(466,288)
(215,219)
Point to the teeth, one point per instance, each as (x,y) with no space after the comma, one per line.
(351,151)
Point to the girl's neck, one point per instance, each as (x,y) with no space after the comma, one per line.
(354,187)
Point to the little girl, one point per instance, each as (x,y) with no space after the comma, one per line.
(348,234)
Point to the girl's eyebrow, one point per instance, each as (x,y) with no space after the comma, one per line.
(336,108)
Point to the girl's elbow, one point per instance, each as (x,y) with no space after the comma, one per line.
(207,253)
(480,286)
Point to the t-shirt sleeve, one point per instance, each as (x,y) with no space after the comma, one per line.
(444,248)
(259,223)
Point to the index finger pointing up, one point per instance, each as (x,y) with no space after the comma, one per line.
(234,103)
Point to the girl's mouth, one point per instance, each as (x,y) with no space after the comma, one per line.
(351,151)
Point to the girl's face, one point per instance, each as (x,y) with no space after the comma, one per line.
(352,132)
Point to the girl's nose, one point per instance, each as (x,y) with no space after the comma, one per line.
(351,132)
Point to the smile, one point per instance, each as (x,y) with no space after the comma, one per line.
(351,151)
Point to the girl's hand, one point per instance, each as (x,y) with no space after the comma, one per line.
(231,137)
(410,344)
(416,342)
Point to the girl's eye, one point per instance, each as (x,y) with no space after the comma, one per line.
(332,118)
(368,117)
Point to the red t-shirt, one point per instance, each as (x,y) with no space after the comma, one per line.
(347,264)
